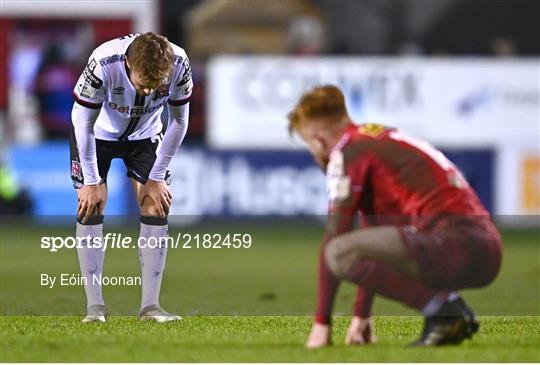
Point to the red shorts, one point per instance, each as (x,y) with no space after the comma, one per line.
(455,252)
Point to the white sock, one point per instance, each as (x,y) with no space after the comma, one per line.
(91,259)
(434,304)
(152,258)
(452,296)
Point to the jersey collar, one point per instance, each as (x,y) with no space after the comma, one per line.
(349,129)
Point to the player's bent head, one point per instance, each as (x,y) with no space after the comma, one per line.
(320,105)
(320,117)
(150,59)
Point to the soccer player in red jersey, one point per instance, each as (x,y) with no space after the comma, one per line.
(424,234)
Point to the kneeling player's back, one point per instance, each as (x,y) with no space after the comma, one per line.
(401,174)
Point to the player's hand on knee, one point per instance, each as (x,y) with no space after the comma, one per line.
(90,200)
(361,331)
(159,193)
(319,336)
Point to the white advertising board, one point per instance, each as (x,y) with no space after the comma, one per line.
(450,102)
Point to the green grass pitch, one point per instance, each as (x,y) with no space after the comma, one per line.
(251,305)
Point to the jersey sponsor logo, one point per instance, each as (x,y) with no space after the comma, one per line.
(112,59)
(76,169)
(89,76)
(186,83)
(371,129)
(338,183)
(186,77)
(186,89)
(134,110)
(118,90)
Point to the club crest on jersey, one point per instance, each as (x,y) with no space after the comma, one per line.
(162,91)
(371,129)
(76,169)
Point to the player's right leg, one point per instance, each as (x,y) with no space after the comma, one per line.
(91,257)
(88,232)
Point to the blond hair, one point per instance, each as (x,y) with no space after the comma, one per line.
(325,101)
(152,57)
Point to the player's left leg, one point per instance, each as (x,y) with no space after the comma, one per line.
(139,159)
(461,252)
(383,243)
(375,257)
(440,259)
(153,240)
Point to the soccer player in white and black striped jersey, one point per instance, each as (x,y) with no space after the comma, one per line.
(119,99)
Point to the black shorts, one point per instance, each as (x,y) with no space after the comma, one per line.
(138,157)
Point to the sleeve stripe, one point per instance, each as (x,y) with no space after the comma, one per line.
(179,102)
(86,104)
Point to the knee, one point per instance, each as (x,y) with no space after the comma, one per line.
(149,208)
(332,258)
(340,259)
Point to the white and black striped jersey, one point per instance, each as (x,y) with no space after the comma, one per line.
(126,115)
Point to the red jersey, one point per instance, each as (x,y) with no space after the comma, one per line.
(390,178)
(392,173)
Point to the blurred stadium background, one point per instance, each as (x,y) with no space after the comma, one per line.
(462,74)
